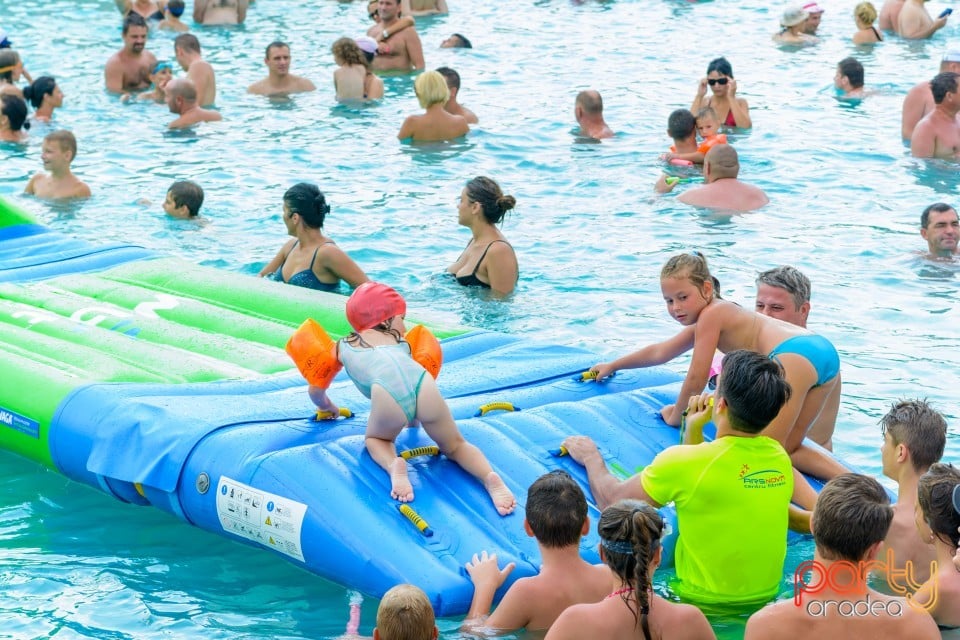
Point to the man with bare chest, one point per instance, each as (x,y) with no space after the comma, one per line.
(937,135)
(129,69)
(399,50)
(220,11)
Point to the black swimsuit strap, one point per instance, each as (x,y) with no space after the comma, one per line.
(484,255)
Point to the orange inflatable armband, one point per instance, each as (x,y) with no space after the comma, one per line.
(314,353)
(425,349)
(709,143)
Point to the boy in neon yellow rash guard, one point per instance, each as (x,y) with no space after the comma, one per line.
(732,495)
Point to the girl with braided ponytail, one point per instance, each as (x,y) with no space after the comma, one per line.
(630,532)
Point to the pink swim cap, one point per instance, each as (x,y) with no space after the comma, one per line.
(373,303)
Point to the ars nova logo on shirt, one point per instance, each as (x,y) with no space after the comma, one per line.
(765,479)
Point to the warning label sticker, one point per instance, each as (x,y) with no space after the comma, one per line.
(272,520)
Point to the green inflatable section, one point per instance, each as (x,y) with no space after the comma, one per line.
(158,320)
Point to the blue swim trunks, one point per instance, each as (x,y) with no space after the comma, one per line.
(817,349)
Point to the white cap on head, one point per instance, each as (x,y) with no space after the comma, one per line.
(793,16)
(367,44)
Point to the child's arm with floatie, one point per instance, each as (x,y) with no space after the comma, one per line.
(315,355)
(649,355)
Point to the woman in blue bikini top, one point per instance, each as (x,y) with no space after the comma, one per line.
(311,259)
(488,260)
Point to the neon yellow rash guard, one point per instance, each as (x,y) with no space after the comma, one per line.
(732,497)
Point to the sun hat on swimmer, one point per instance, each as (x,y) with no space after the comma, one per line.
(812,7)
(373,303)
(793,16)
(366,44)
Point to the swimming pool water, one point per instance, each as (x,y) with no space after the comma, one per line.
(590,235)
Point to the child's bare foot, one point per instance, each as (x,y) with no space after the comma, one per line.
(400,488)
(502,497)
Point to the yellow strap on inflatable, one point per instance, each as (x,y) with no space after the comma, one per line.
(425,349)
(314,353)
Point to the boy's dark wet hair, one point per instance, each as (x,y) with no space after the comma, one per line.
(853,71)
(754,389)
(556,509)
(919,427)
(451,76)
(464,42)
(852,514)
(935,495)
(681,124)
(189,194)
(942,84)
(307,200)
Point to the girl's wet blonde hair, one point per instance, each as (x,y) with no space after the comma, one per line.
(692,266)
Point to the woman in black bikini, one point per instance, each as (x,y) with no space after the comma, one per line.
(864,15)
(149,9)
(630,532)
(488,261)
(731,110)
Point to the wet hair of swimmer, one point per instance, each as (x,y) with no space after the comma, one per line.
(464,42)
(492,200)
(309,202)
(42,86)
(176,7)
(936,494)
(852,514)
(852,70)
(721,65)
(754,389)
(15,109)
(681,124)
(8,60)
(630,532)
(133,19)
(942,84)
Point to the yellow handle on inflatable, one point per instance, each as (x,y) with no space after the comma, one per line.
(314,353)
(425,349)
(495,406)
(415,518)
(430,450)
(327,415)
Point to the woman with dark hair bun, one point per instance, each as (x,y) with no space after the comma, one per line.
(311,259)
(731,110)
(488,261)
(630,532)
(44,96)
(13,118)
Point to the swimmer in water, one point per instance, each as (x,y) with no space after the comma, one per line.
(212,12)
(58,151)
(182,100)
(379,361)
(171,20)
(279,80)
(162,74)
(129,69)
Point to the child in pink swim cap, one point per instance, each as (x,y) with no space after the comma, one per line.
(380,362)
